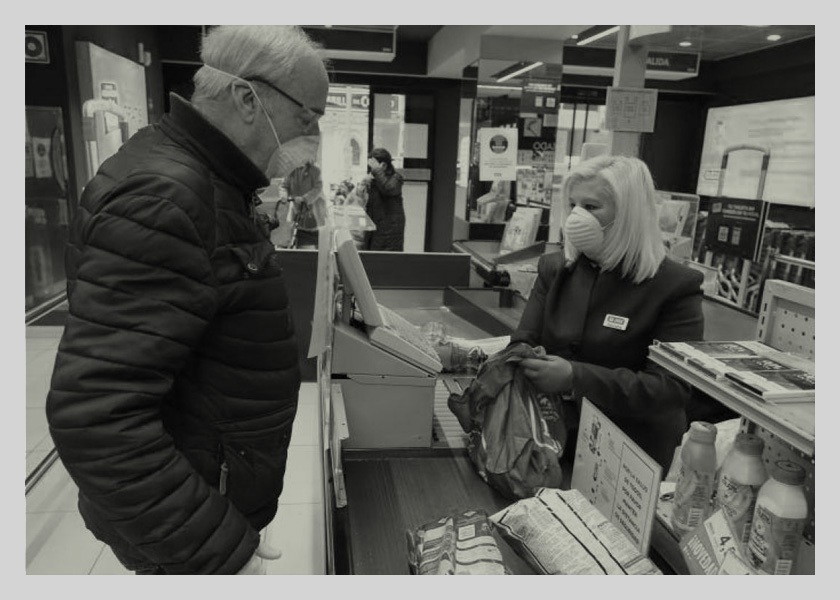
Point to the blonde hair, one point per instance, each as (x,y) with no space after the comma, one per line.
(268,51)
(634,241)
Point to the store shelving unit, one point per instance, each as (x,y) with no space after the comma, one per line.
(786,323)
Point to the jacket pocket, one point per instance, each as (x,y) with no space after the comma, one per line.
(252,467)
(258,261)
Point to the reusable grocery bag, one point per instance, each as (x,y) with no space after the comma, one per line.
(516,433)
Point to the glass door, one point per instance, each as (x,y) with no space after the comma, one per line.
(47,208)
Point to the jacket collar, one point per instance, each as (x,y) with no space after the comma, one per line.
(190,128)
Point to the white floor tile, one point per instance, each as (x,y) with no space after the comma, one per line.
(298,530)
(50,332)
(54,492)
(306,425)
(58,543)
(36,391)
(41,365)
(107,564)
(36,427)
(302,483)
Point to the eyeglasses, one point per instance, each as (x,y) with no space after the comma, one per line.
(316,113)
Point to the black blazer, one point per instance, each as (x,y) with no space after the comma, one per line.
(603,324)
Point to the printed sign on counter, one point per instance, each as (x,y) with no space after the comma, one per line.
(497,153)
(616,475)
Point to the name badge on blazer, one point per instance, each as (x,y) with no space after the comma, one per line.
(616,322)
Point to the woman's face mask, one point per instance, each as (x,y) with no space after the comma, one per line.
(585,232)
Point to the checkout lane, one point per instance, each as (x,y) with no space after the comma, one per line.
(389,490)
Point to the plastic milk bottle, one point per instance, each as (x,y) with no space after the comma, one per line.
(781,511)
(695,479)
(741,477)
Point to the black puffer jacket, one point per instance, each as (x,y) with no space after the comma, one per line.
(178,360)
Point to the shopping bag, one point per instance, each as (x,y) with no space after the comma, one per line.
(516,433)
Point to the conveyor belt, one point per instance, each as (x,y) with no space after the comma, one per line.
(446,431)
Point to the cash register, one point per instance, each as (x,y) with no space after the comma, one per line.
(386,367)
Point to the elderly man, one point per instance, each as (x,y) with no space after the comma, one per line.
(176,380)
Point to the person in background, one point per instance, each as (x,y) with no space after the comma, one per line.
(385,203)
(598,305)
(304,187)
(176,379)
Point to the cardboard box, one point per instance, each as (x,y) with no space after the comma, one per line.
(709,546)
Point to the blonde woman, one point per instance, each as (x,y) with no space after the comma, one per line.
(599,304)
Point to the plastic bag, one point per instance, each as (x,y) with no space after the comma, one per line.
(458,544)
(516,433)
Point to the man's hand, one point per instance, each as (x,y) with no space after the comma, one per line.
(551,374)
(265,551)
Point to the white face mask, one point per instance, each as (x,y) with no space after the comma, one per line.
(585,232)
(297,152)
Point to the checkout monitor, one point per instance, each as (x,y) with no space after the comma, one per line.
(385,328)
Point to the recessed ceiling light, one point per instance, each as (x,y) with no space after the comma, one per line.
(774,38)
(685,44)
(575,36)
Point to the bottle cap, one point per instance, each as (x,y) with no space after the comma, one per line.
(789,472)
(701,431)
(749,443)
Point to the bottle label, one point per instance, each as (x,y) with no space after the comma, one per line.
(691,498)
(774,541)
(737,500)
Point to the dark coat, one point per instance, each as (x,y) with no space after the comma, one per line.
(566,312)
(178,356)
(385,209)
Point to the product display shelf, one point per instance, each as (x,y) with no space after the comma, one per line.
(792,422)
(785,323)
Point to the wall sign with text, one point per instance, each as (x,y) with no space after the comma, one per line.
(497,153)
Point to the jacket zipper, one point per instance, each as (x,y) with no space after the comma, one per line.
(223,479)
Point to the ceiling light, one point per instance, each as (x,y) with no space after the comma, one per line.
(596,33)
(685,44)
(524,69)
(774,37)
(575,36)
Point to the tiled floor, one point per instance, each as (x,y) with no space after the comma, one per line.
(57,541)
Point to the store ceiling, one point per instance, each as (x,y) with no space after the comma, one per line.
(714,42)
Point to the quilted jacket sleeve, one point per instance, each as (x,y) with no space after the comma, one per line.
(142,295)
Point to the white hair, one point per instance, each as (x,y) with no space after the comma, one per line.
(634,241)
(268,51)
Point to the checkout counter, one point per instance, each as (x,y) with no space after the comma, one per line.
(401,461)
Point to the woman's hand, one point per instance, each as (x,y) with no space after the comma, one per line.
(374,164)
(551,374)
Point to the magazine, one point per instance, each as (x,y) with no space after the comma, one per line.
(752,366)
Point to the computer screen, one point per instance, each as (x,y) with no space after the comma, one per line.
(355,279)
